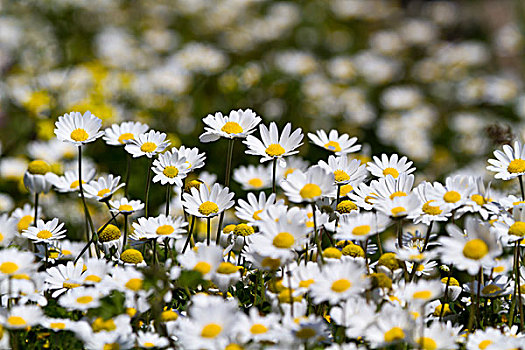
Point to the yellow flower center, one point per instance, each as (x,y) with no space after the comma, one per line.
(255,182)
(57,325)
(431,209)
(232,128)
(21,276)
(332,253)
(202,267)
(475,249)
(131,256)
(333,146)
(125,137)
(243,230)
(79,135)
(389,260)
(354,250)
(85,299)
(288,172)
(100,325)
(453,282)
(426,343)
(111,346)
(305,333)
(8,267)
(446,311)
(275,150)
(341,285)
(148,345)
(229,228)
(270,263)
(345,207)
(398,194)
(398,211)
(484,344)
(310,191)
(516,166)
(227,268)
(394,334)
(148,147)
(103,192)
(110,233)
(340,176)
(211,330)
(452,197)
(258,329)
(44,234)
(478,199)
(283,240)
(345,189)
(491,288)
(423,294)
(256,214)
(361,230)
(165,230)
(70,285)
(38,167)
(93,278)
(391,171)
(208,208)
(170,171)
(16,321)
(517,229)
(134,284)
(75,184)
(125,207)
(306,283)
(169,315)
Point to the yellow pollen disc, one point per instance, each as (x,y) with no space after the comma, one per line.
(110,233)
(169,315)
(452,197)
(516,166)
(202,267)
(86,299)
(517,229)
(8,267)
(333,146)
(484,344)
(306,283)
(518,202)
(148,345)
(353,250)
(499,269)
(111,346)
(192,184)
(275,150)
(394,334)
(207,208)
(446,311)
(361,230)
(148,147)
(310,191)
(389,260)
(21,276)
(398,211)
(38,167)
(229,228)
(398,194)
(255,182)
(1,237)
(258,329)
(341,285)
(288,172)
(233,346)
(243,230)
(424,294)
(165,230)
(131,256)
(170,171)
(232,128)
(475,249)
(345,189)
(426,343)
(103,192)
(53,254)
(332,253)
(135,284)
(305,333)
(100,325)
(125,137)
(70,285)
(125,207)
(227,268)
(478,199)
(368,199)
(340,176)
(256,214)
(44,234)
(93,278)
(75,184)
(453,282)
(491,288)
(57,325)
(211,330)
(283,240)
(270,263)
(431,209)
(79,135)
(391,171)
(16,321)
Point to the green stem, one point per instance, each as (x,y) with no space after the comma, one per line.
(36,209)
(317,237)
(190,233)
(86,210)
(146,201)
(208,231)
(274,170)
(227,184)
(125,232)
(128,170)
(168,195)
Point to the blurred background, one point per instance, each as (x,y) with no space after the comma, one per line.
(438,81)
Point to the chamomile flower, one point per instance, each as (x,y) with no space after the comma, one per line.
(103,188)
(225,275)
(390,166)
(356,314)
(421,292)
(37,177)
(120,135)
(345,171)
(127,280)
(393,325)
(151,340)
(45,232)
(511,228)
(15,262)
(206,203)
(170,168)
(482,338)
(429,211)
(80,299)
(455,193)
(57,324)
(272,146)
(7,230)
(389,187)
(307,187)
(509,163)
(238,124)
(22,316)
(194,159)
(69,181)
(439,336)
(257,327)
(339,144)
(78,129)
(253,177)
(62,278)
(205,260)
(399,206)
(250,210)
(360,226)
(161,226)
(148,144)
(125,206)
(293,163)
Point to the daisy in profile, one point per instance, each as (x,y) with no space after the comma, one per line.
(69,181)
(103,188)
(206,203)
(308,187)
(345,171)
(438,336)
(509,163)
(390,166)
(238,124)
(22,316)
(272,146)
(78,129)
(120,135)
(23,217)
(360,226)
(170,168)
(511,228)
(45,232)
(125,206)
(253,177)
(37,177)
(333,142)
(194,159)
(293,163)
(252,209)
(148,144)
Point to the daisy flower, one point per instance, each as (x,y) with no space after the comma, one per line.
(393,325)
(45,232)
(14,262)
(37,177)
(272,146)
(161,226)
(22,316)
(253,177)
(509,163)
(69,181)
(390,166)
(293,163)
(125,206)
(511,228)
(360,226)
(345,171)
(482,338)
(251,209)
(455,193)
(429,211)
(80,299)
(205,260)
(57,324)
(127,280)
(339,144)
(356,314)
(307,187)
(389,187)
(399,206)
(238,124)
(62,278)
(421,292)
(151,340)
(258,328)
(194,159)
(78,129)
(437,336)
(170,168)
(148,144)
(7,230)
(119,135)
(103,188)
(225,275)
(206,203)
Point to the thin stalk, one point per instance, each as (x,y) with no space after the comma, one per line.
(445,297)
(128,171)
(274,170)
(110,212)
(289,275)
(86,210)
(168,196)
(45,252)
(316,236)
(146,196)
(93,239)
(190,233)
(36,209)
(208,231)
(521,187)
(125,231)
(154,243)
(227,184)
(166,248)
(518,282)
(427,237)
(399,233)
(515,294)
